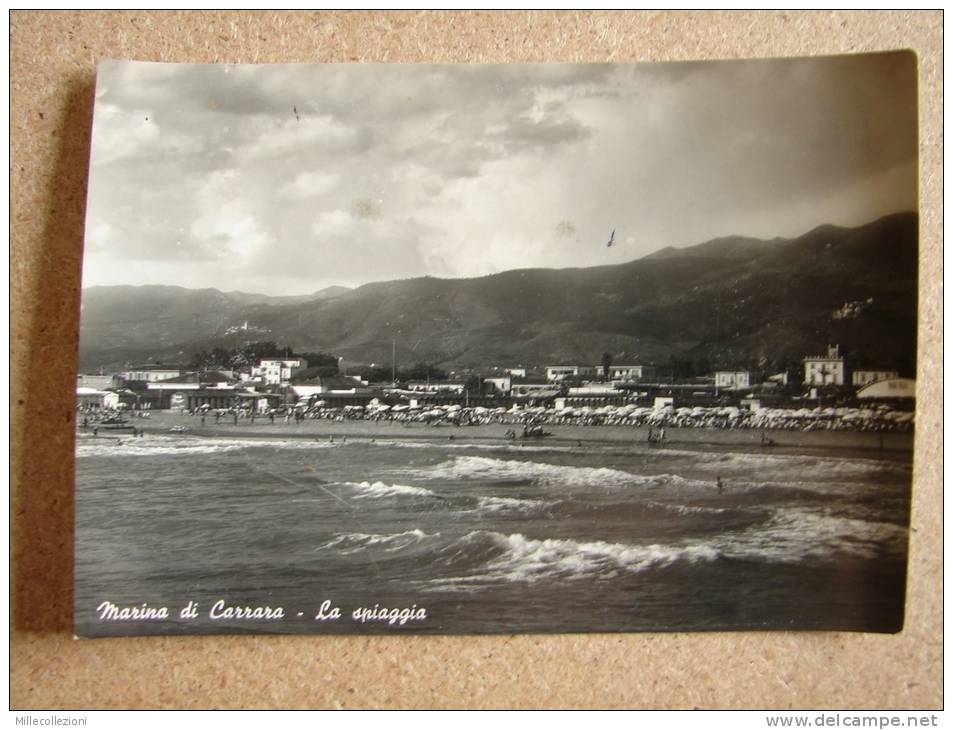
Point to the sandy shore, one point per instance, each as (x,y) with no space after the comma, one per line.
(894,444)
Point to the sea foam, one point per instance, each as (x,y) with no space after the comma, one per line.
(490,469)
(380,490)
(517,558)
(125,444)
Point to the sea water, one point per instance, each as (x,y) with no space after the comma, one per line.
(484,536)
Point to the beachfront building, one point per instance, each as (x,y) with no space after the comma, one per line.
(258,402)
(175,392)
(98,382)
(860,378)
(119,398)
(204,397)
(331,385)
(150,374)
(889,390)
(436,386)
(515,372)
(733,379)
(89,398)
(534,389)
(825,369)
(191,381)
(628,373)
(561,372)
(502,386)
(279,372)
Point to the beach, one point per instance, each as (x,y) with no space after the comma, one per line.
(590,529)
(892,445)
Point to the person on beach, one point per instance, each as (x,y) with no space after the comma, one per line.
(719,485)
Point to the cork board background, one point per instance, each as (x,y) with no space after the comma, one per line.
(53,60)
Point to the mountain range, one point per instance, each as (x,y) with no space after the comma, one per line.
(732,302)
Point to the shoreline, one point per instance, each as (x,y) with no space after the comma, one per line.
(894,444)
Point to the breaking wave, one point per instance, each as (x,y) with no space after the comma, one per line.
(792,535)
(517,558)
(510,504)
(486,468)
(380,490)
(126,444)
(802,467)
(352,542)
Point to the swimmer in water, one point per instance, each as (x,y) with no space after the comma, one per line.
(720,485)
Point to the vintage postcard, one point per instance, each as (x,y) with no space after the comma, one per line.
(498,348)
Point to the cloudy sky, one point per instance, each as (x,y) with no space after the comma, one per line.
(287,179)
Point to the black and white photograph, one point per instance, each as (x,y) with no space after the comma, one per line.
(498,348)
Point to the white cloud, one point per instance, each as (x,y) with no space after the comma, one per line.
(332,222)
(99,235)
(296,137)
(397,171)
(309,184)
(120,133)
(228,227)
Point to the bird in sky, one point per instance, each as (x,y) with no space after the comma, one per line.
(611,239)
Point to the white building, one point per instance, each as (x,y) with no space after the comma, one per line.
(501,385)
(592,391)
(150,375)
(859,378)
(825,369)
(335,385)
(515,372)
(628,373)
(436,386)
(90,397)
(559,372)
(534,389)
(732,379)
(192,381)
(278,372)
(97,382)
(889,389)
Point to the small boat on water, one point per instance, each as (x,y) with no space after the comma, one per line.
(535,432)
(115,423)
